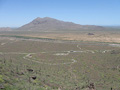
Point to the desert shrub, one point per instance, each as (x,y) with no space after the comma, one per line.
(1,79)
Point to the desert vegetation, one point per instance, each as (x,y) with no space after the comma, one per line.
(38,65)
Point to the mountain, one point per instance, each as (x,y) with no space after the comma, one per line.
(48,24)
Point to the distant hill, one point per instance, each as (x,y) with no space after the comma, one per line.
(5,29)
(113,27)
(50,24)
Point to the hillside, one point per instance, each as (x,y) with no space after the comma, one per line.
(39,65)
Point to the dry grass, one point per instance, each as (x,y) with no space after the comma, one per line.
(99,37)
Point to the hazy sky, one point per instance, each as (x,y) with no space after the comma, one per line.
(14,13)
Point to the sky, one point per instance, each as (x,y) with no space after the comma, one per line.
(15,13)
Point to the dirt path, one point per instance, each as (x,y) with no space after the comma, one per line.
(29,57)
(91,51)
(79,47)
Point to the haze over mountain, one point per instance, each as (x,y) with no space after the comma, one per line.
(50,24)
